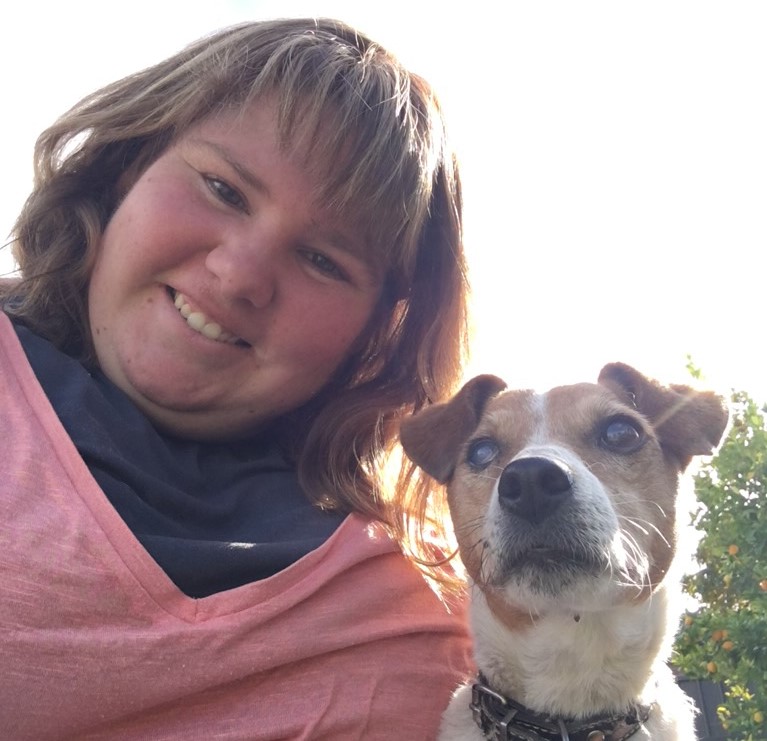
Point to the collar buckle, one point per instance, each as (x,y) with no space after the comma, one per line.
(481,697)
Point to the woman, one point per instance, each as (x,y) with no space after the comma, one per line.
(240,268)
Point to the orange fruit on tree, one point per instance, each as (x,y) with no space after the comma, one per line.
(733,550)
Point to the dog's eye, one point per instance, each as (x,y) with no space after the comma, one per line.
(482,453)
(622,435)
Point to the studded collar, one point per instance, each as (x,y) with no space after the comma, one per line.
(502,719)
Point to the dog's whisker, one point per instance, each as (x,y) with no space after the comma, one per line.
(635,522)
(637,567)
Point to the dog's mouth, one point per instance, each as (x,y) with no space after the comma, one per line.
(546,569)
(553,558)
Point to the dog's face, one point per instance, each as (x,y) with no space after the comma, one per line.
(569,496)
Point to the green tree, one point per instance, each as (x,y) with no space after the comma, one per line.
(725,639)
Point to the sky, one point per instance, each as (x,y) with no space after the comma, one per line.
(613,154)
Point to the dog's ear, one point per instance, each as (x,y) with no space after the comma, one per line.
(687,422)
(433,437)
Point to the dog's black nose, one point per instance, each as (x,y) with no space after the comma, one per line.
(533,488)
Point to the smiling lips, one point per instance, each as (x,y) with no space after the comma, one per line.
(199,323)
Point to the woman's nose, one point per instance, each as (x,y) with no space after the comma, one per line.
(244,271)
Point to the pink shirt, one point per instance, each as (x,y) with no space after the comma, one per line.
(97,643)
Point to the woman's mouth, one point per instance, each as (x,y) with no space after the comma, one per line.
(200,323)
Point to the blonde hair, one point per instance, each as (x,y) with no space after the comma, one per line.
(376,131)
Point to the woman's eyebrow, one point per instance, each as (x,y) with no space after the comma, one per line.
(357,249)
(242,171)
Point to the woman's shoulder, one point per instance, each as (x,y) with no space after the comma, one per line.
(383,581)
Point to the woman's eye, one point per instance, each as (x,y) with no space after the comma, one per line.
(324,265)
(622,435)
(482,453)
(225,192)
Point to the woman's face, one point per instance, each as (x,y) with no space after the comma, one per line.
(222,295)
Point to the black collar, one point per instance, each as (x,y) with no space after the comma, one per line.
(503,719)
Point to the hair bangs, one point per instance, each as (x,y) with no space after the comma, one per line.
(368,137)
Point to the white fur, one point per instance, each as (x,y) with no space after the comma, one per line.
(564,665)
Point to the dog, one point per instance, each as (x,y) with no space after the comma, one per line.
(564,507)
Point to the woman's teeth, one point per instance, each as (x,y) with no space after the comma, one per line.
(199,322)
